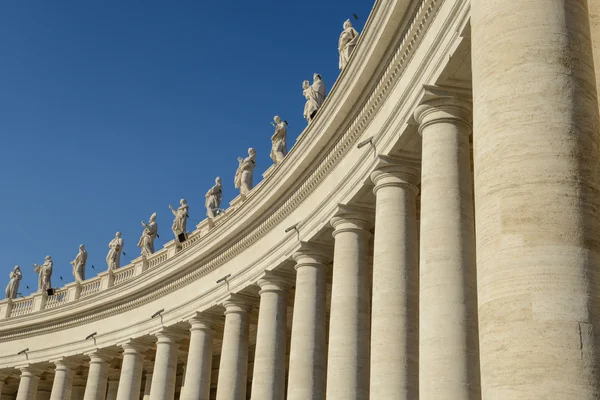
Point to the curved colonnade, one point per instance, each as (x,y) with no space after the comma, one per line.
(373,292)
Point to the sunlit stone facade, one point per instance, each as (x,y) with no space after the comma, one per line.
(445,243)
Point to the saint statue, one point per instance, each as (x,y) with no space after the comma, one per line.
(243,175)
(113,258)
(13,284)
(347,42)
(278,140)
(146,242)
(45,273)
(180,222)
(319,87)
(315,96)
(79,264)
(213,199)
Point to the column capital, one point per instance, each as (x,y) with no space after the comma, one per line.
(273,282)
(168,335)
(30,370)
(135,346)
(352,219)
(444,104)
(396,171)
(309,253)
(236,303)
(100,356)
(201,322)
(65,364)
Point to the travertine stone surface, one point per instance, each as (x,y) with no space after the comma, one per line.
(147,385)
(536,148)
(199,361)
(165,365)
(448,342)
(233,369)
(112,388)
(268,379)
(395,300)
(95,388)
(130,381)
(594,15)
(28,384)
(349,325)
(63,381)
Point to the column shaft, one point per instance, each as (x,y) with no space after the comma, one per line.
(395,309)
(63,382)
(147,387)
(233,369)
(537,187)
(95,388)
(268,379)
(199,362)
(308,348)
(349,329)
(28,385)
(165,367)
(111,390)
(130,381)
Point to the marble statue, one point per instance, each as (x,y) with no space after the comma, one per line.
(243,175)
(278,140)
(213,199)
(146,242)
(347,42)
(315,96)
(79,264)
(13,284)
(113,258)
(180,222)
(45,273)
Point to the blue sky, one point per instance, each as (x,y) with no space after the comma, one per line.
(112,110)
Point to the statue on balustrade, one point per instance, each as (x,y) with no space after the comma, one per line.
(79,264)
(179,227)
(113,258)
(45,273)
(278,140)
(213,199)
(146,242)
(347,42)
(315,96)
(243,175)
(13,284)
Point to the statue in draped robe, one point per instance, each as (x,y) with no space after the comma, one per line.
(319,87)
(245,170)
(347,42)
(213,199)
(312,105)
(278,140)
(79,264)
(146,242)
(113,258)
(180,222)
(45,273)
(13,284)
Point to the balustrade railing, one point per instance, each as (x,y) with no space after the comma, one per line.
(158,258)
(90,287)
(58,298)
(21,307)
(124,274)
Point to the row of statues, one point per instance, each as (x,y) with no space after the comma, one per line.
(314,93)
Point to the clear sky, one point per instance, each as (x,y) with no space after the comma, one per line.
(112,110)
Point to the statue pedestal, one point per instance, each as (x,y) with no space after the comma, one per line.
(235,203)
(107,278)
(141,265)
(5,308)
(73,291)
(39,301)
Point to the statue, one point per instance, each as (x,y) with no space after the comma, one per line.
(213,199)
(45,273)
(278,143)
(347,42)
(146,242)
(180,222)
(13,284)
(79,264)
(243,175)
(315,96)
(113,258)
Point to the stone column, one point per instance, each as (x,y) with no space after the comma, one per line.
(165,366)
(63,380)
(307,374)
(28,384)
(95,388)
(594,14)
(395,307)
(130,381)
(448,342)
(349,326)
(233,369)
(199,362)
(148,367)
(112,388)
(268,379)
(78,390)
(2,378)
(537,196)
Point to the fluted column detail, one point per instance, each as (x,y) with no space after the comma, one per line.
(536,145)
(199,361)
(62,385)
(349,327)
(268,379)
(307,374)
(165,365)
(95,388)
(28,383)
(130,381)
(395,306)
(233,369)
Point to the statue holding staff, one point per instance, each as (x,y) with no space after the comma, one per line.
(146,242)
(45,273)
(79,264)
(213,199)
